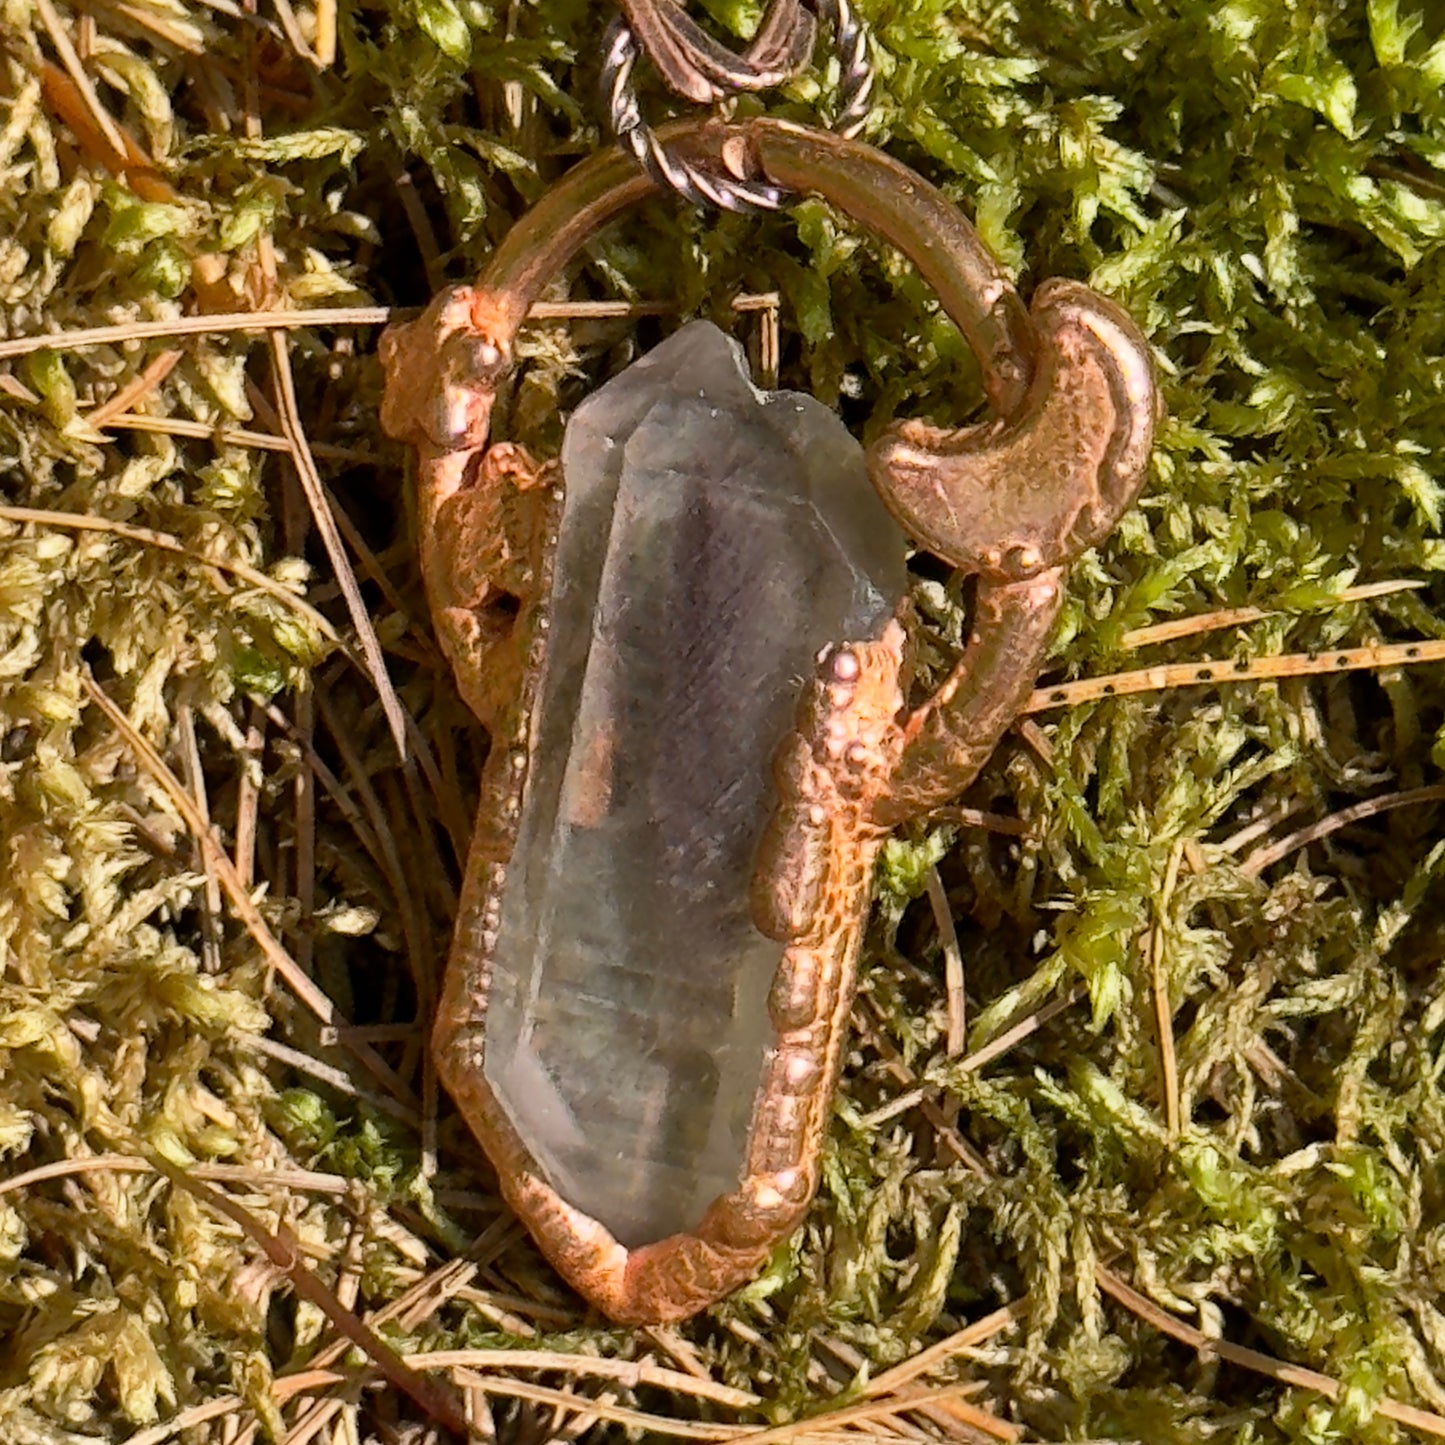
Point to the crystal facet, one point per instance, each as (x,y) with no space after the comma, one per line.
(714,537)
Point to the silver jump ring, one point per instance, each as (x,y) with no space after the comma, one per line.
(706,187)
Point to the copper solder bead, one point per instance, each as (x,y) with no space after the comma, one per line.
(782,1192)
(850,754)
(793,998)
(799,1070)
(441,375)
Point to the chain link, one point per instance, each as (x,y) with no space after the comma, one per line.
(699,68)
(704,185)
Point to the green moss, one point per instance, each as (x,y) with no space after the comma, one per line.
(1261,185)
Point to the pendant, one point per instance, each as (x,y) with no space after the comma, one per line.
(647,995)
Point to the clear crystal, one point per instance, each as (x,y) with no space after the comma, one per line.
(714,538)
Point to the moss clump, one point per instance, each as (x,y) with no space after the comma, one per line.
(1263,185)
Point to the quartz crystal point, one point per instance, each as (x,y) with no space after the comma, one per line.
(714,537)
